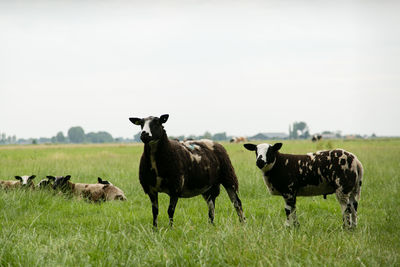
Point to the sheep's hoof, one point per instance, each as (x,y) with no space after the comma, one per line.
(294,225)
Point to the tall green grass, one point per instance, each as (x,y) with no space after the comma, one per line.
(38,228)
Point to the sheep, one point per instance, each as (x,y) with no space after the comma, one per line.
(183,169)
(238,139)
(111,191)
(321,173)
(93,192)
(316,137)
(46,183)
(23,182)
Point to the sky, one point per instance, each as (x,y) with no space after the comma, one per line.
(240,67)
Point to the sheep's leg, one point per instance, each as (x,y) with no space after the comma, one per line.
(290,210)
(236,203)
(154,206)
(344,202)
(210,199)
(353,208)
(171,209)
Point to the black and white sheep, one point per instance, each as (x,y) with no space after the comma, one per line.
(25,181)
(46,183)
(321,173)
(183,169)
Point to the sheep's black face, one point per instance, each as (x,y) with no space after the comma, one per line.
(46,183)
(265,154)
(152,127)
(60,182)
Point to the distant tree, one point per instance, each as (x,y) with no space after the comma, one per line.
(220,137)
(76,134)
(99,137)
(207,135)
(136,137)
(34,141)
(299,130)
(60,138)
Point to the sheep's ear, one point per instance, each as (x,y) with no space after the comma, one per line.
(164,118)
(67,177)
(136,121)
(51,177)
(99,180)
(250,147)
(32,177)
(18,178)
(277,146)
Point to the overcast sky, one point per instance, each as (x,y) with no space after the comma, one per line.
(240,67)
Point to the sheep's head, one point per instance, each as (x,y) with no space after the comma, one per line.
(26,181)
(265,154)
(152,127)
(101,181)
(46,183)
(60,182)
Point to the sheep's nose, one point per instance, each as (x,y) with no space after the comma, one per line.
(145,137)
(260,163)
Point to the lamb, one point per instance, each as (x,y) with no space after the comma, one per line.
(321,173)
(183,169)
(23,182)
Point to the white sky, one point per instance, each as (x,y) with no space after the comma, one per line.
(240,67)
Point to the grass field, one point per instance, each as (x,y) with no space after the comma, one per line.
(41,229)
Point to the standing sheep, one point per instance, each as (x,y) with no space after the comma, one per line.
(321,173)
(183,169)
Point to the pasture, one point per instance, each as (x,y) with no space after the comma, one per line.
(38,228)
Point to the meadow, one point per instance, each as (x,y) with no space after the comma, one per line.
(38,228)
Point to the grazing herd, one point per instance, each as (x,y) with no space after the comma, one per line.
(185,169)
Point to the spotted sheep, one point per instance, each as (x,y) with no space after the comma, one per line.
(92,192)
(25,181)
(183,169)
(316,137)
(321,173)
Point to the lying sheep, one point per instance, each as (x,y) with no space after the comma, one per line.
(111,191)
(321,173)
(46,183)
(92,192)
(23,182)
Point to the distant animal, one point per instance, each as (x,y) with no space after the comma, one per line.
(238,139)
(321,173)
(22,182)
(316,137)
(183,169)
(46,183)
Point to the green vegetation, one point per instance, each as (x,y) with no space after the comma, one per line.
(38,228)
